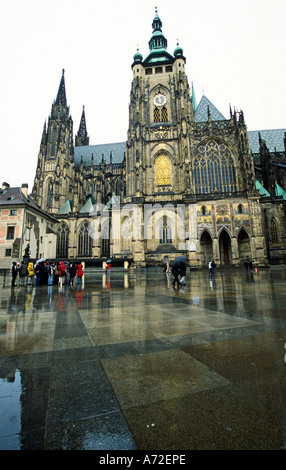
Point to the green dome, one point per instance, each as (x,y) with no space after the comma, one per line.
(137,57)
(178,52)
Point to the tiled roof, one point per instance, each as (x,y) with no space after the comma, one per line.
(201,114)
(274,139)
(14,197)
(117,150)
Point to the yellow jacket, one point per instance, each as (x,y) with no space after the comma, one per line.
(30,269)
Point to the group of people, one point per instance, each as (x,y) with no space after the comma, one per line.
(46,273)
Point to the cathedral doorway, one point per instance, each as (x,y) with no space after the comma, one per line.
(225,249)
(206,248)
(243,242)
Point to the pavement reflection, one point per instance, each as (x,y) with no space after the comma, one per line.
(93,366)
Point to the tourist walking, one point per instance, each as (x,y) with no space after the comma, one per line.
(179,267)
(212,266)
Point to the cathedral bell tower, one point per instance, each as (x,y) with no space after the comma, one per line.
(160,114)
(55,168)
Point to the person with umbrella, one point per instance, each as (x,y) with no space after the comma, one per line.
(179,267)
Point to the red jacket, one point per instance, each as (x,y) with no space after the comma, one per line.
(62,269)
(79,271)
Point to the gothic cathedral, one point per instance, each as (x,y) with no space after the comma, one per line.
(185,183)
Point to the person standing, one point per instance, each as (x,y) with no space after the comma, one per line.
(23,273)
(14,273)
(30,274)
(72,272)
(50,274)
(38,271)
(79,273)
(62,273)
(56,274)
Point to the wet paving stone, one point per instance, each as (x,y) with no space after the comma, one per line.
(139,365)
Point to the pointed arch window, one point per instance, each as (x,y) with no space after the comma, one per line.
(214,169)
(160,115)
(163,171)
(50,195)
(63,241)
(156,115)
(164,115)
(54,140)
(274,232)
(165,232)
(84,240)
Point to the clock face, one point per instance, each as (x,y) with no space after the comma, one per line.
(160,100)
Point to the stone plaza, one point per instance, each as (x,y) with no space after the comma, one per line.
(130,363)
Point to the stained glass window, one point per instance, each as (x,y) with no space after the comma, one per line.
(84,240)
(163,171)
(165,232)
(63,241)
(274,232)
(214,169)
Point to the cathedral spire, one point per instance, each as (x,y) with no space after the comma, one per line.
(82,136)
(158,45)
(61,96)
(158,39)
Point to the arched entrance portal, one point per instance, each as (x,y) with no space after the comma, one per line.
(243,241)
(206,248)
(225,248)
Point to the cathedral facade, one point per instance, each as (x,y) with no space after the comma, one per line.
(186,181)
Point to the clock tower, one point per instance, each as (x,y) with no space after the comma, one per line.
(160,114)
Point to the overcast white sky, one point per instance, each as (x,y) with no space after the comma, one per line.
(235,53)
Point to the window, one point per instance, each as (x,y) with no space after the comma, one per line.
(10,233)
(214,169)
(165,232)
(161,115)
(164,115)
(13,212)
(169,68)
(63,241)
(156,115)
(50,195)
(274,232)
(163,171)
(158,69)
(84,241)
(148,72)
(8,252)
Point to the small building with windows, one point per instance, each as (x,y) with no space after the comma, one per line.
(23,224)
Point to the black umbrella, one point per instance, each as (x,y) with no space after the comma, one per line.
(179,262)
